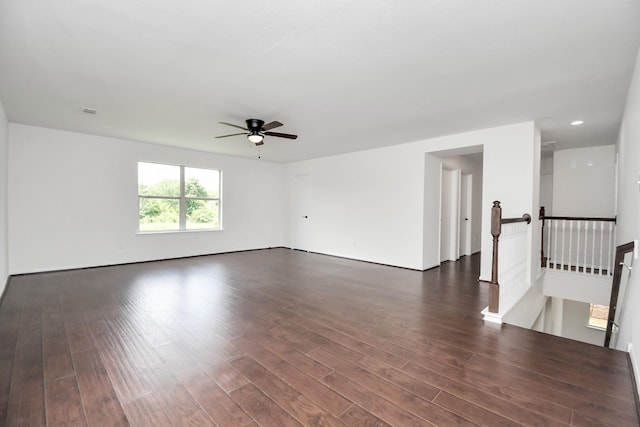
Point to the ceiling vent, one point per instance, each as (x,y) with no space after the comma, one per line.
(90,110)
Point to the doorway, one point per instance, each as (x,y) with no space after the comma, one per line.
(300,212)
(460,202)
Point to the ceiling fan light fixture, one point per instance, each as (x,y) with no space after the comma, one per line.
(255,137)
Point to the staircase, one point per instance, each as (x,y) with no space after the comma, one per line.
(576,263)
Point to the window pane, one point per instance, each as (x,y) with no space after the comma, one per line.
(158,180)
(201,182)
(598,315)
(202,214)
(159,214)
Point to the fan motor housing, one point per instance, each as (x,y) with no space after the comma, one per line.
(254,124)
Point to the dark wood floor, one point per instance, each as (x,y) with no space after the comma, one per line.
(283,338)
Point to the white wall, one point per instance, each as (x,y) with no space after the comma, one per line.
(367,205)
(584,182)
(4,240)
(588,288)
(370,204)
(574,325)
(628,213)
(546,184)
(512,176)
(431,213)
(73,202)
(471,164)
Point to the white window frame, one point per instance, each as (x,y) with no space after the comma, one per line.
(182,201)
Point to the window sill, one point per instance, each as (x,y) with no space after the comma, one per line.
(199,230)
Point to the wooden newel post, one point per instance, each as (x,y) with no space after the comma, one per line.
(494,287)
(541,217)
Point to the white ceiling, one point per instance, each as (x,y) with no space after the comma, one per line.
(344,75)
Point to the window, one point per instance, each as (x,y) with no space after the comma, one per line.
(178,198)
(598,316)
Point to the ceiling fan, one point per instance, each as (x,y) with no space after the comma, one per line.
(256,130)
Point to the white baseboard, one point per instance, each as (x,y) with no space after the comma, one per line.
(634,365)
(491,317)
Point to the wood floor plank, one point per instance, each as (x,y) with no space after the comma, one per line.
(292,355)
(264,410)
(9,322)
(179,406)
(56,353)
(100,402)
(478,397)
(26,396)
(319,392)
(479,415)
(584,402)
(63,402)
(295,403)
(356,416)
(146,411)
(419,404)
(208,356)
(375,404)
(494,382)
(588,402)
(342,358)
(295,339)
(223,410)
(140,352)
(581,420)
(359,346)
(78,334)
(121,371)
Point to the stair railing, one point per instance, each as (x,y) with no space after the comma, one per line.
(578,244)
(514,253)
(621,251)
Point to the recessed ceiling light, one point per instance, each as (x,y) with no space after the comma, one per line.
(577,122)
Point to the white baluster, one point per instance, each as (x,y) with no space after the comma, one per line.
(586,244)
(610,250)
(570,242)
(578,247)
(593,250)
(549,244)
(564,226)
(601,244)
(555,249)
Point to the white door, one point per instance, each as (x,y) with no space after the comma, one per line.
(300,213)
(450,214)
(466,194)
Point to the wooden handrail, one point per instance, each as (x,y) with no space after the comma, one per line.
(525,218)
(496,230)
(579,218)
(621,251)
